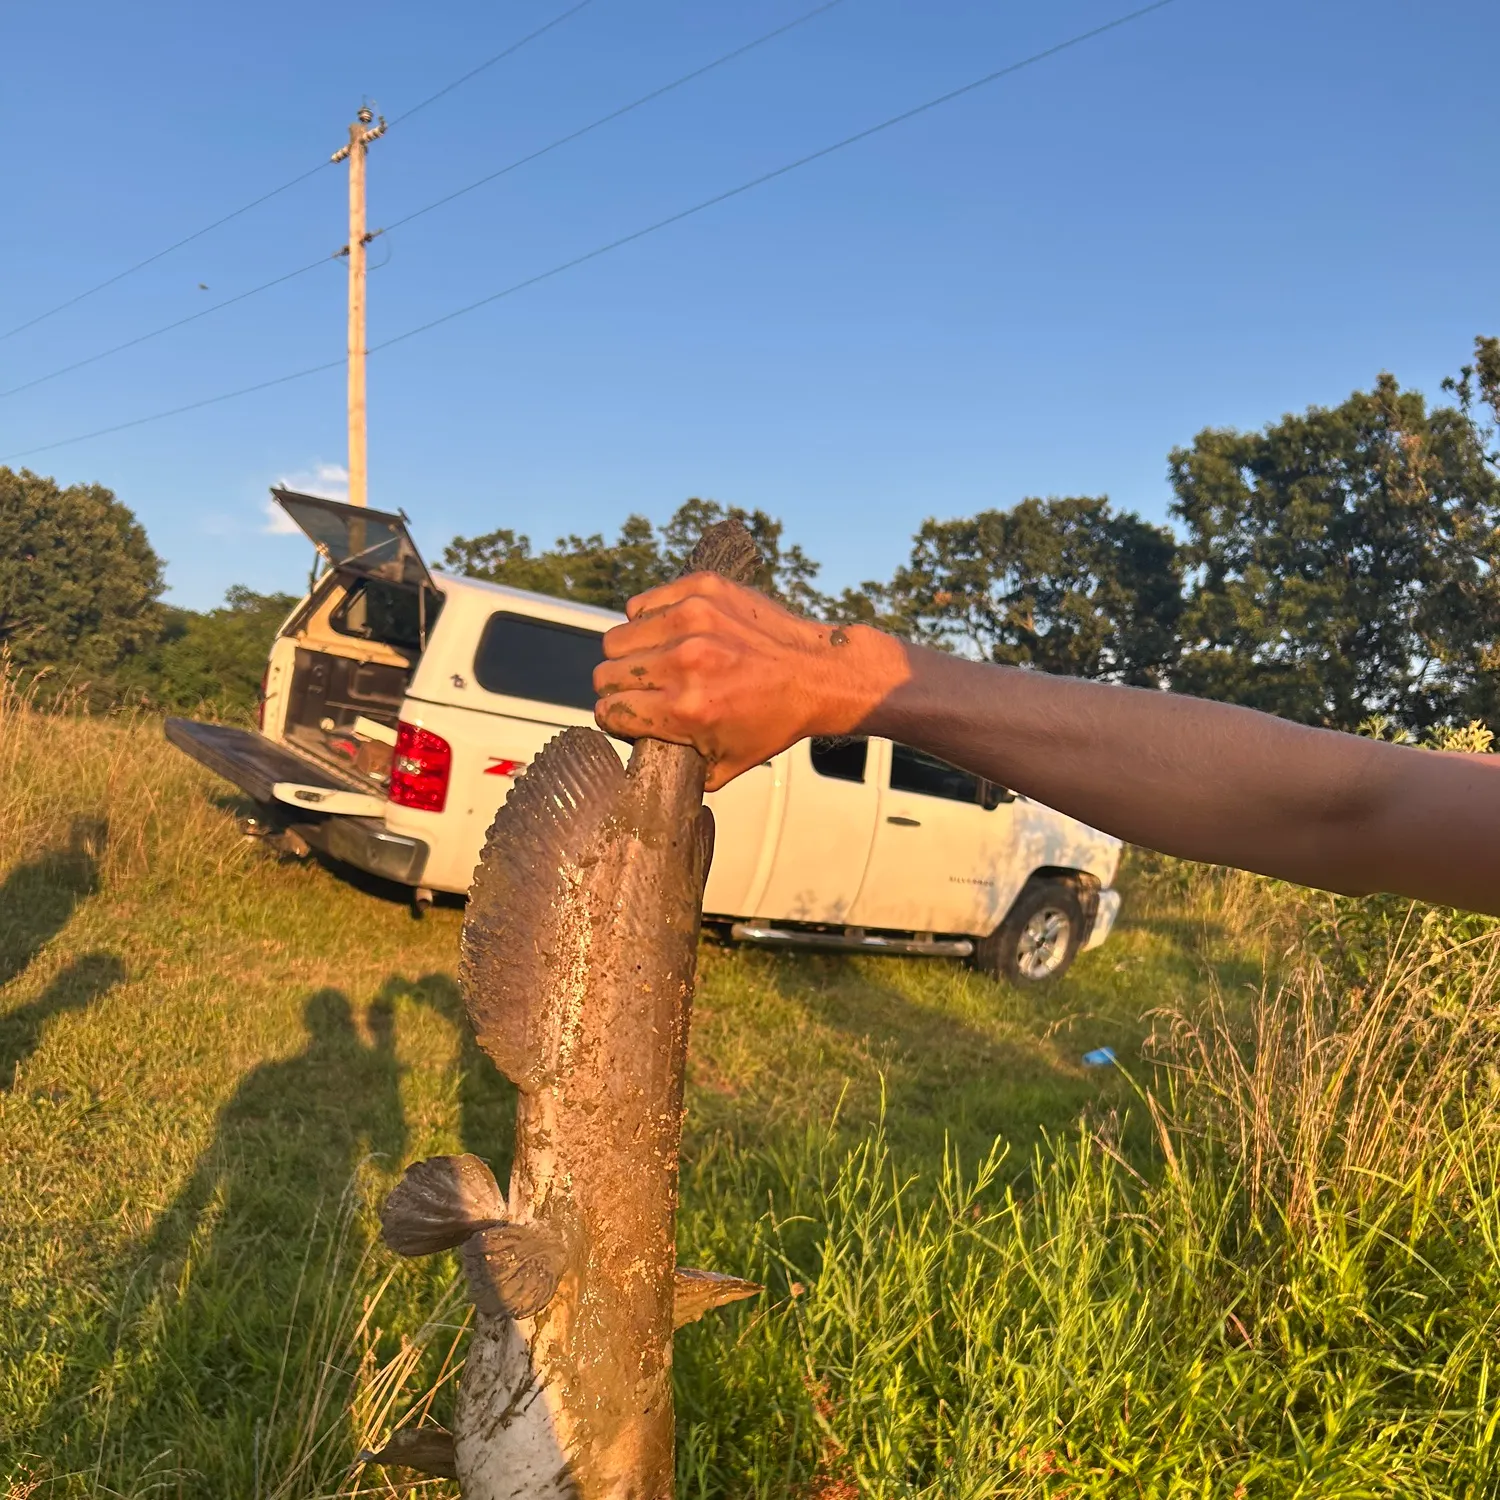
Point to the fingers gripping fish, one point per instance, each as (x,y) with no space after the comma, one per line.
(578,957)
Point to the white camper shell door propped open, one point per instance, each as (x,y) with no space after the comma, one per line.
(355,539)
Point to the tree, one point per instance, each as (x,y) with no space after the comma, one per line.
(79,583)
(1342,562)
(587,569)
(1066,585)
(606,574)
(214,658)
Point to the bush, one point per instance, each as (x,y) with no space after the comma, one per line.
(208,662)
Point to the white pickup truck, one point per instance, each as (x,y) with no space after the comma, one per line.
(399,705)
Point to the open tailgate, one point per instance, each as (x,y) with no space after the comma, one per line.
(250,761)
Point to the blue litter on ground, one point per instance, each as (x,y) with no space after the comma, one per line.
(1100,1057)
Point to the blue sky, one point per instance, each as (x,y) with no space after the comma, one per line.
(1216,214)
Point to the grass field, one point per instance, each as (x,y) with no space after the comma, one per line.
(1260,1259)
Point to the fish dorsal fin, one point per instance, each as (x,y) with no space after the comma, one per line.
(726,547)
(523,942)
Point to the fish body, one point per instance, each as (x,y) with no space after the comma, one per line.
(577,966)
(579,986)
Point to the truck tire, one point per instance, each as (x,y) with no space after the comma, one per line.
(1038,939)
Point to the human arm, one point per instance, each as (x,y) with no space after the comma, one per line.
(709,663)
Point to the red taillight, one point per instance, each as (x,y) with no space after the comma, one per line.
(419,769)
(260,700)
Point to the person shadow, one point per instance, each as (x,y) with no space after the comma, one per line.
(76,987)
(39,896)
(246,1265)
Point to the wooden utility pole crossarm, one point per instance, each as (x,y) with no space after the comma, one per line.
(361,132)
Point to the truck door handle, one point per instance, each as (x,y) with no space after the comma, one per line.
(905,822)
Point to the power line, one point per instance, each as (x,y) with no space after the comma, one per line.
(275,192)
(781,171)
(574,135)
(143,338)
(448,88)
(861,135)
(141,265)
(615,114)
(177,411)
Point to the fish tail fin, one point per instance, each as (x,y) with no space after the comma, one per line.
(727,548)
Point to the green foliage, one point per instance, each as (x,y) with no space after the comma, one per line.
(210,661)
(607,574)
(1066,585)
(79,582)
(1342,563)
(587,569)
(1363,940)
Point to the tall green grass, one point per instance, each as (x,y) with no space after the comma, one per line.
(1261,1258)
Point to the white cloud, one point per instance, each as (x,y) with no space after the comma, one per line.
(278,523)
(331,481)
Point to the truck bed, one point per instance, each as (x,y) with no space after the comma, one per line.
(250,761)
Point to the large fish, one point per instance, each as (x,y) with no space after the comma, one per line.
(578,956)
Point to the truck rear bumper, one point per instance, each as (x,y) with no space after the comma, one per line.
(367,844)
(257,766)
(1104,918)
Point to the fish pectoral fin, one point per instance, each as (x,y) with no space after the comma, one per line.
(429,1450)
(439,1204)
(513,1269)
(697,1292)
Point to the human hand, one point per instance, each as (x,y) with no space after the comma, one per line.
(716,665)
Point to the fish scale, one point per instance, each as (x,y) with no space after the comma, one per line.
(577,966)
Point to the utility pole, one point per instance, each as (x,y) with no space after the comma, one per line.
(361,133)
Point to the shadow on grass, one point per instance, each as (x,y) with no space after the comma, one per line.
(76,988)
(944,1077)
(40,895)
(1197,949)
(486,1098)
(231,1269)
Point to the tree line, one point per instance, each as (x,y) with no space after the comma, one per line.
(1340,564)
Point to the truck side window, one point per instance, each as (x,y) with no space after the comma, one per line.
(840,757)
(914,771)
(538,659)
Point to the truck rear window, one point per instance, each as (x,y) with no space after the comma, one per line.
(392,613)
(538,659)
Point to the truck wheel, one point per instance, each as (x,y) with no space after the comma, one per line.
(1038,939)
